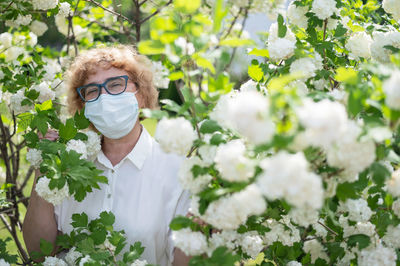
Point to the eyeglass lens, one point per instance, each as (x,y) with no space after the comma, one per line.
(114,86)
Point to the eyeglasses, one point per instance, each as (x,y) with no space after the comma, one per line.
(113,86)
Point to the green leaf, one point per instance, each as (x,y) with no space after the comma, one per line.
(187,7)
(219,13)
(346,75)
(259,52)
(204,63)
(355,105)
(236,42)
(362,240)
(79,220)
(345,191)
(282,29)
(340,31)
(107,218)
(81,122)
(46,247)
(68,131)
(149,47)
(255,72)
(24,120)
(180,222)
(40,122)
(47,105)
(379,173)
(176,75)
(210,126)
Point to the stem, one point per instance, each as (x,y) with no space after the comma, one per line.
(111,11)
(7,7)
(327,228)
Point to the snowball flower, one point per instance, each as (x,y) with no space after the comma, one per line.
(297,15)
(287,176)
(324,121)
(12,53)
(34,157)
(379,255)
(396,207)
(65,9)
(282,231)
(16,102)
(391,87)
(293,263)
(38,27)
(315,249)
(186,47)
(85,259)
(358,210)
(191,243)
(6,39)
(382,39)
(175,135)
(306,66)
(392,236)
(359,45)
(231,162)
(251,243)
(54,196)
(187,179)
(139,263)
(160,75)
(304,216)
(323,9)
(77,146)
(392,7)
(280,48)
(93,144)
(72,256)
(53,261)
(4,263)
(45,92)
(44,4)
(251,85)
(393,185)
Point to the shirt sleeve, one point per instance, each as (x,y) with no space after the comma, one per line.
(182,208)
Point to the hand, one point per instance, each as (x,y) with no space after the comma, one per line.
(51,135)
(202,223)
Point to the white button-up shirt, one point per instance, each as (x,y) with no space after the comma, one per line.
(143,193)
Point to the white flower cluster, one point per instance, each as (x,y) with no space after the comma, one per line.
(287,176)
(358,210)
(231,162)
(281,231)
(6,40)
(391,87)
(297,15)
(44,4)
(65,9)
(186,47)
(16,102)
(187,179)
(55,196)
(45,92)
(392,236)
(393,184)
(50,69)
(227,238)
(86,259)
(304,216)
(230,212)
(34,157)
(251,243)
(38,27)
(316,250)
(382,39)
(280,48)
(20,20)
(191,243)
(359,45)
(4,263)
(392,7)
(160,75)
(396,207)
(324,9)
(139,263)
(175,135)
(93,145)
(53,261)
(365,228)
(78,146)
(307,66)
(72,256)
(379,255)
(251,85)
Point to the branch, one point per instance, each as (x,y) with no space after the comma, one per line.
(233,23)
(10,229)
(155,12)
(7,6)
(327,228)
(111,11)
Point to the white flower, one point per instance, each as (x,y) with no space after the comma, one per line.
(249,115)
(304,216)
(379,255)
(191,243)
(65,9)
(391,87)
(6,39)
(53,261)
(4,263)
(280,48)
(12,53)
(78,146)
(16,100)
(93,144)
(392,236)
(282,231)
(358,210)
(187,179)
(34,157)
(315,249)
(287,176)
(20,20)
(365,228)
(231,162)
(160,75)
(251,243)
(393,185)
(392,7)
(38,27)
(175,135)
(55,196)
(207,154)
(230,212)
(187,47)
(382,39)
(320,230)
(85,259)
(307,66)
(45,92)
(251,85)
(139,263)
(350,154)
(44,4)
(32,41)
(324,121)
(359,45)
(50,69)
(226,238)
(396,207)
(293,263)
(297,15)
(323,9)
(72,256)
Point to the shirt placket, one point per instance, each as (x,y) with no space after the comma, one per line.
(109,193)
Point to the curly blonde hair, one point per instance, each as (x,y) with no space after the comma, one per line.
(122,57)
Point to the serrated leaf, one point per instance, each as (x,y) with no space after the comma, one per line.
(282,29)
(255,72)
(46,247)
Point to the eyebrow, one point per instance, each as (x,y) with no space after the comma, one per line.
(94,83)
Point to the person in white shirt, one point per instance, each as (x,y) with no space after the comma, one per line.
(143,190)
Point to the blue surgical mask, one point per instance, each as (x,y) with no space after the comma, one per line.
(113,115)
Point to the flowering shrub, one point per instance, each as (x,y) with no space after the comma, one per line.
(297,165)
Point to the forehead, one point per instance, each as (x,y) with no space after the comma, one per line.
(102,74)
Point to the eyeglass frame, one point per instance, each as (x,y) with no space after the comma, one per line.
(102,85)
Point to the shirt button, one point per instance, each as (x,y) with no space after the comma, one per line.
(113,171)
(109,195)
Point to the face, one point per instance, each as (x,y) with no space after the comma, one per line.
(103,74)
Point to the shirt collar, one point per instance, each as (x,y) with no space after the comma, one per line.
(138,154)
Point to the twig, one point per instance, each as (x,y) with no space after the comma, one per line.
(232,24)
(111,11)
(7,7)
(155,12)
(327,228)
